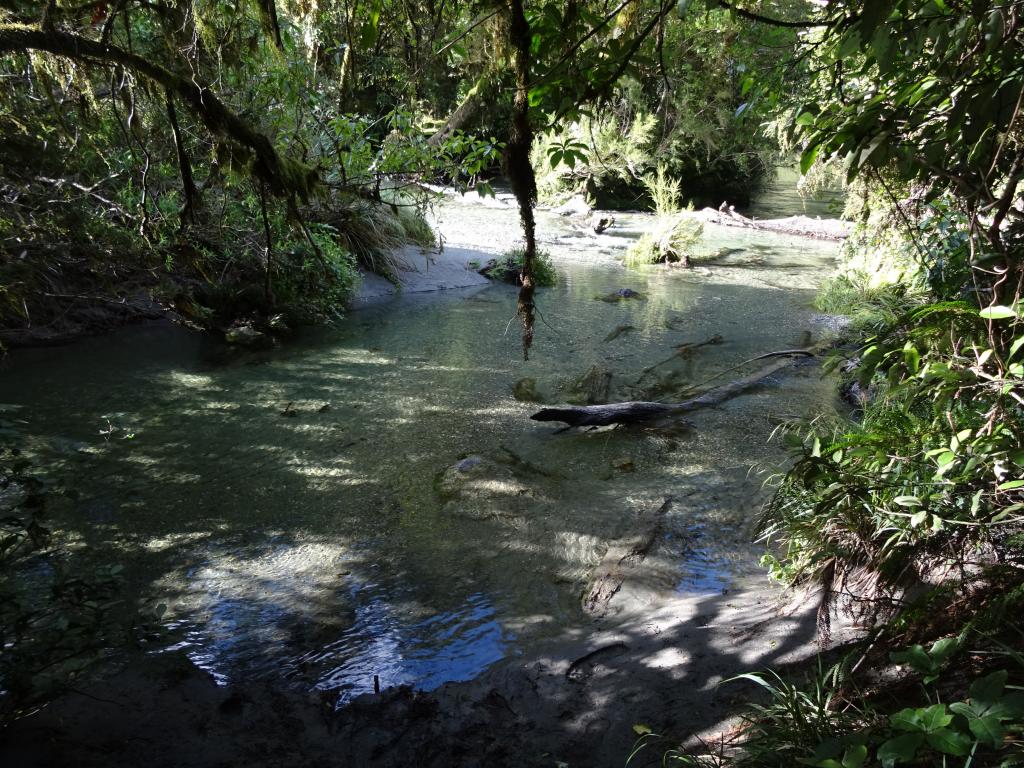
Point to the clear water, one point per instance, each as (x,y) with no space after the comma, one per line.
(780,198)
(337,544)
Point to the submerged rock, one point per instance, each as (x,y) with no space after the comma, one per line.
(247,336)
(592,388)
(482,489)
(525,391)
(576,205)
(619,331)
(601,222)
(468,464)
(620,295)
(724,253)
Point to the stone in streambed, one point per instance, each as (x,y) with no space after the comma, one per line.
(621,295)
(482,489)
(601,222)
(592,388)
(247,336)
(525,391)
(576,205)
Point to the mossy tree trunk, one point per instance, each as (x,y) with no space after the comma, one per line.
(480,95)
(517,161)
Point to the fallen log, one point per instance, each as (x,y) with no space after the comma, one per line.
(638,412)
(620,560)
(804,226)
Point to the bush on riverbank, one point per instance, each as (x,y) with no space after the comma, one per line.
(508,268)
(675,234)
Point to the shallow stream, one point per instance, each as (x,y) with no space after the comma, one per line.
(370,499)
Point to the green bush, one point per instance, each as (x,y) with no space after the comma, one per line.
(417,230)
(665,191)
(310,286)
(672,240)
(868,306)
(509,267)
(605,151)
(952,718)
(925,489)
(675,234)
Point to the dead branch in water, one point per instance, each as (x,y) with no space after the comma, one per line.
(637,412)
(684,350)
(620,560)
(803,226)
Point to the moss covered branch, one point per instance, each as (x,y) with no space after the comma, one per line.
(283,176)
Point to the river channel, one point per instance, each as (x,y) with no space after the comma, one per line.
(370,499)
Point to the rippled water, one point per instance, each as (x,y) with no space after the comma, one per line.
(339,543)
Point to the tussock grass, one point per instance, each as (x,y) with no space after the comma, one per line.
(675,234)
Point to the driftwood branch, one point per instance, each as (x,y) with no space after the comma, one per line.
(804,226)
(638,412)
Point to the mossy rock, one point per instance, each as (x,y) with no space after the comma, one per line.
(525,391)
(592,388)
(623,294)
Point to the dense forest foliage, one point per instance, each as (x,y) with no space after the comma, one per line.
(240,160)
(230,160)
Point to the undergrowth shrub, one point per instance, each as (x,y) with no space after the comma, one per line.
(509,268)
(608,151)
(675,234)
(928,485)
(868,306)
(310,286)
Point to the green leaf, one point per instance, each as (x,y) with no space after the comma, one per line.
(997,312)
(808,157)
(987,730)
(949,741)
(915,658)
(941,650)
(900,749)
(908,719)
(935,717)
(1012,706)
(1017,344)
(874,13)
(987,690)
(881,45)
(1009,486)
(855,756)
(907,501)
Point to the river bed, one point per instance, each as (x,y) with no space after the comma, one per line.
(370,500)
